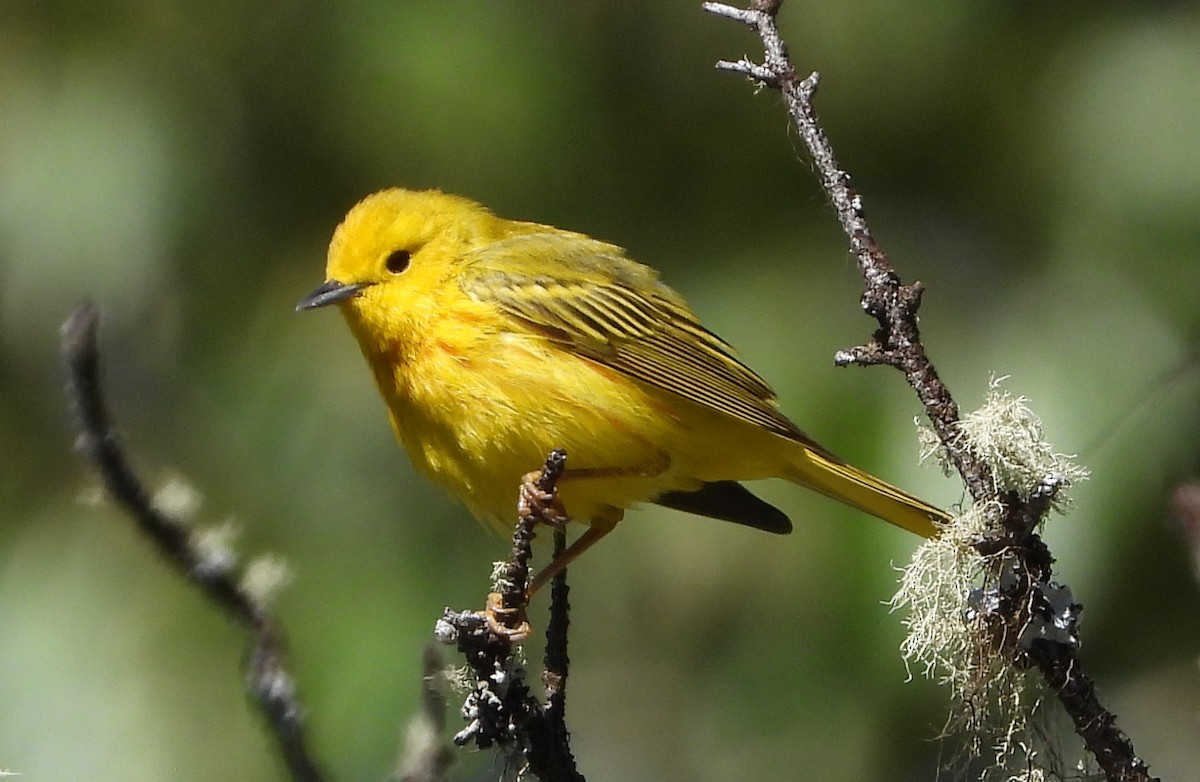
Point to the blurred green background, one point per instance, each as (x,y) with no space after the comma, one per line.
(184,165)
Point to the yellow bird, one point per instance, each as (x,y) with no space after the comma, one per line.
(494,341)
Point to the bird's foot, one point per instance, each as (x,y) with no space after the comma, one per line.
(534,502)
(505,622)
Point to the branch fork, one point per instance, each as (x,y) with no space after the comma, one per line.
(501,709)
(1042,613)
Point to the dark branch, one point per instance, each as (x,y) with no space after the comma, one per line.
(536,504)
(502,710)
(549,752)
(1095,724)
(897,341)
(1032,600)
(268,681)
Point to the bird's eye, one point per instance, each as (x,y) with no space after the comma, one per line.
(398,261)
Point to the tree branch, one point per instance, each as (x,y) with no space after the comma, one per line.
(897,341)
(501,709)
(268,681)
(427,756)
(1031,599)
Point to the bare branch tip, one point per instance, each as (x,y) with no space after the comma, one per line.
(761,74)
(80,325)
(158,518)
(863,356)
(730,12)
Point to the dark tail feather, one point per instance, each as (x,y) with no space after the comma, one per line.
(728,501)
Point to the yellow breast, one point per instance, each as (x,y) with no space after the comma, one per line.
(478,404)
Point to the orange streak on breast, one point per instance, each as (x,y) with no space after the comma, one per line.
(448,348)
(469,318)
(455,335)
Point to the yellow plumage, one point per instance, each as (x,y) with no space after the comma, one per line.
(494,341)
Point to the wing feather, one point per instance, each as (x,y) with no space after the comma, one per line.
(615,311)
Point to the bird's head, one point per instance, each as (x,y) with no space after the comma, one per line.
(391,259)
(397,240)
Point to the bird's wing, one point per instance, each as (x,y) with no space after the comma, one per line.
(600,304)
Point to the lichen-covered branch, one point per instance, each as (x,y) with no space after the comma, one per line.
(1026,614)
(270,684)
(897,341)
(501,709)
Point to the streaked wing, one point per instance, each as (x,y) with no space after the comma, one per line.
(616,312)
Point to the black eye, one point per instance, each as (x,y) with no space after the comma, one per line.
(398,261)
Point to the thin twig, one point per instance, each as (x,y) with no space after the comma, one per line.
(556,660)
(501,709)
(550,756)
(894,306)
(268,681)
(427,756)
(535,506)
(897,342)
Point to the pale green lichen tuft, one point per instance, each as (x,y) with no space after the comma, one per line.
(499,574)
(265,577)
(950,640)
(1031,774)
(214,547)
(1008,436)
(935,588)
(460,678)
(178,499)
(954,636)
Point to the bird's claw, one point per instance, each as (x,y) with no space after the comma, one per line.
(544,505)
(505,622)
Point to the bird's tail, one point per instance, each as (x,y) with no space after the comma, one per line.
(830,476)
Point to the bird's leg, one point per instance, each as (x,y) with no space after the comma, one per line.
(589,538)
(538,504)
(509,622)
(599,527)
(505,621)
